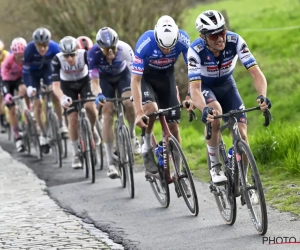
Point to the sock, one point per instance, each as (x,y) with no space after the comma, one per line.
(16,132)
(147,145)
(109,147)
(75,147)
(213,153)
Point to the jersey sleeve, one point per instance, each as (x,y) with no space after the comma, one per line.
(93,70)
(5,68)
(26,66)
(194,66)
(56,48)
(140,53)
(185,42)
(55,69)
(129,57)
(245,55)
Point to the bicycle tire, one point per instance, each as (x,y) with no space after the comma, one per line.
(33,134)
(194,205)
(119,148)
(90,151)
(55,138)
(22,128)
(160,186)
(128,161)
(260,226)
(100,147)
(228,213)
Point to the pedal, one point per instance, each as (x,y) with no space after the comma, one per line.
(148,178)
(214,190)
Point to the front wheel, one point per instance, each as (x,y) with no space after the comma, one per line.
(183,176)
(253,192)
(100,147)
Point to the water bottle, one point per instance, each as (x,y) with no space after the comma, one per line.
(159,154)
(229,155)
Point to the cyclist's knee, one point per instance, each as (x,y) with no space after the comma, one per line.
(73,118)
(90,108)
(150,107)
(22,90)
(174,128)
(243,131)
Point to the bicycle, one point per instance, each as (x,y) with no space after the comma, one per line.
(98,127)
(124,150)
(52,127)
(238,183)
(86,139)
(160,181)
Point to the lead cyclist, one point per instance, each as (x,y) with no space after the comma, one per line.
(212,59)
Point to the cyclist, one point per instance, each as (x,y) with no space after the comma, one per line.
(11,72)
(36,66)
(212,59)
(112,58)
(84,43)
(71,77)
(3,54)
(153,79)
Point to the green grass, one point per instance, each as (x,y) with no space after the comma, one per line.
(275,148)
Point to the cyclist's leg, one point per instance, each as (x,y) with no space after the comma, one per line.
(125,91)
(108,91)
(2,113)
(47,78)
(149,106)
(72,116)
(211,96)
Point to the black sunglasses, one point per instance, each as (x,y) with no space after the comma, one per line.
(71,55)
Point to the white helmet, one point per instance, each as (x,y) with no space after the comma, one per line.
(166,32)
(210,22)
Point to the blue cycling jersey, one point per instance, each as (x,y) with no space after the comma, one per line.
(148,55)
(33,61)
(211,70)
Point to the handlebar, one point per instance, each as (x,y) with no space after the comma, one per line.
(232,113)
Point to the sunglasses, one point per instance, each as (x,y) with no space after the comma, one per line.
(107,50)
(214,37)
(69,55)
(42,45)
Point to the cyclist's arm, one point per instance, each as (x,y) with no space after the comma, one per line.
(128,56)
(56,77)
(136,92)
(5,69)
(94,73)
(185,44)
(26,66)
(250,64)
(194,72)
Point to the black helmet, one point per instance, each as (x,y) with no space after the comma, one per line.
(41,35)
(68,45)
(107,37)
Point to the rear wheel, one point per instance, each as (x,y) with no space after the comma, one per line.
(253,192)
(184,177)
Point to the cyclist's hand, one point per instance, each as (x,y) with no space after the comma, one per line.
(266,103)
(8,98)
(100,100)
(139,120)
(66,101)
(206,117)
(188,104)
(31,91)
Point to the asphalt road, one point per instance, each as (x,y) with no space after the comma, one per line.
(141,223)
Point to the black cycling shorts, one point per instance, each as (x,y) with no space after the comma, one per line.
(227,95)
(11,86)
(160,86)
(71,89)
(121,82)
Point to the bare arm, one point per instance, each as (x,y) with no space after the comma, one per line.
(136,93)
(95,86)
(260,81)
(57,89)
(196,95)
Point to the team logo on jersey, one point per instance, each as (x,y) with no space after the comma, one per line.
(192,61)
(137,60)
(143,44)
(208,58)
(232,39)
(244,48)
(163,61)
(198,48)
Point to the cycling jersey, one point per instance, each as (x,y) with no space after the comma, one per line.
(3,55)
(62,70)
(36,66)
(11,70)
(98,63)
(215,71)
(147,54)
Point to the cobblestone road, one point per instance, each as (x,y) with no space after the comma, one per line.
(30,219)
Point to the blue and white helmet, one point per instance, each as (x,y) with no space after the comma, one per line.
(210,22)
